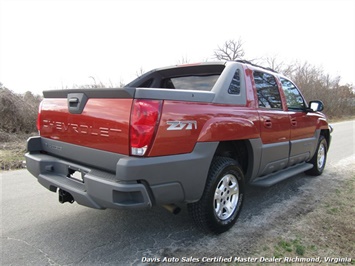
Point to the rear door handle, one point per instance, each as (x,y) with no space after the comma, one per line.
(294,122)
(267,123)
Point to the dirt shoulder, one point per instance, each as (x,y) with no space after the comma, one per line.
(319,224)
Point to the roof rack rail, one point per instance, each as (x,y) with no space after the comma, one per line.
(250,63)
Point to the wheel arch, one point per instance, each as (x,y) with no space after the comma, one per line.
(326,134)
(241,151)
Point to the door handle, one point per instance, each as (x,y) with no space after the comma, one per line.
(294,122)
(267,123)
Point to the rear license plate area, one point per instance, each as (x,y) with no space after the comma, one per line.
(75,174)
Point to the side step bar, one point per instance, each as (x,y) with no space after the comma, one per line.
(272,179)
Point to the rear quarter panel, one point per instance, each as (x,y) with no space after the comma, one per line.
(215,122)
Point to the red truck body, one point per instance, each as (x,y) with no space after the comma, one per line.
(167,135)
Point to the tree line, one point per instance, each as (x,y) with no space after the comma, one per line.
(18,112)
(314,83)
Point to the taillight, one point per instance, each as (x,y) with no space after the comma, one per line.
(39,122)
(145,117)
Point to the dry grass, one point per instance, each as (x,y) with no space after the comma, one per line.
(328,230)
(12,150)
(331,228)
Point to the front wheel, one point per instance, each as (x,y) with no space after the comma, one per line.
(220,205)
(319,158)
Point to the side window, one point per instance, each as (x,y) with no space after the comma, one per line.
(294,98)
(146,84)
(267,90)
(234,87)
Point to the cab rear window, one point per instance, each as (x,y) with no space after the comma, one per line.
(202,83)
(200,77)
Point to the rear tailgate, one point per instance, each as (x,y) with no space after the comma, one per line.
(93,118)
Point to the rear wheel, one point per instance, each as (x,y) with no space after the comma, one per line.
(220,205)
(319,158)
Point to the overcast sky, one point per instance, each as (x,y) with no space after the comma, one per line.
(57,44)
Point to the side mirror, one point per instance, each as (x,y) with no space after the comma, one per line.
(316,106)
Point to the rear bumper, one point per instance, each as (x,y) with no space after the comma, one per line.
(136,182)
(97,190)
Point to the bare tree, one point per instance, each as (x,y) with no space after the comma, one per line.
(140,72)
(15,119)
(289,69)
(122,83)
(230,50)
(183,60)
(273,63)
(315,84)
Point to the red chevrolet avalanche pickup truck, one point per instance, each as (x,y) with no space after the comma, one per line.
(193,134)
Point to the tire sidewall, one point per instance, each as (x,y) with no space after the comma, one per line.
(323,142)
(223,225)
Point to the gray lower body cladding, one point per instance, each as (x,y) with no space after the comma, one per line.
(117,181)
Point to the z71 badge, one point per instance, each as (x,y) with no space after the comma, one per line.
(180,125)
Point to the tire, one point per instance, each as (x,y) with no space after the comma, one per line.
(222,200)
(319,158)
